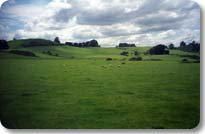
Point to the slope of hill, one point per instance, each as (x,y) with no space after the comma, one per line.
(15,44)
(70,87)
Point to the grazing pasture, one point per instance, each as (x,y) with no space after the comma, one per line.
(79,88)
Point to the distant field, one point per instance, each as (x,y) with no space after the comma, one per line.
(80,89)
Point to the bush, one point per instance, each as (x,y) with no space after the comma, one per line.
(154,59)
(196,57)
(108,59)
(124,53)
(124,59)
(136,58)
(185,61)
(3,45)
(158,50)
(136,53)
(23,53)
(50,53)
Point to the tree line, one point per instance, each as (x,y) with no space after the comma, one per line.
(161,48)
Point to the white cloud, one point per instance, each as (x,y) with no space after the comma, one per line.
(2,1)
(144,22)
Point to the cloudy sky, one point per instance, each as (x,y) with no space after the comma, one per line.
(143,22)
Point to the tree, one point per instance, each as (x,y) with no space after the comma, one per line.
(94,43)
(182,44)
(57,40)
(158,50)
(171,46)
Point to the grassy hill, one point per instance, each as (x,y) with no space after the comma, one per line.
(78,88)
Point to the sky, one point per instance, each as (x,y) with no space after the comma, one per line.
(142,22)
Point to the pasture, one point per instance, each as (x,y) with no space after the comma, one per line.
(80,89)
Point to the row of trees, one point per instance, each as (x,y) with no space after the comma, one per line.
(188,47)
(92,43)
(126,45)
(191,47)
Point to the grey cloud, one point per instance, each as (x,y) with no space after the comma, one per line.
(105,17)
(64,15)
(159,19)
(83,36)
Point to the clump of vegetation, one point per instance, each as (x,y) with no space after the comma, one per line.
(37,42)
(124,59)
(57,40)
(196,57)
(158,50)
(154,59)
(188,61)
(23,53)
(171,46)
(185,61)
(50,53)
(109,59)
(124,53)
(136,53)
(191,47)
(92,43)
(138,58)
(126,45)
(72,57)
(198,61)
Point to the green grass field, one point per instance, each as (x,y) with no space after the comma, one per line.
(80,89)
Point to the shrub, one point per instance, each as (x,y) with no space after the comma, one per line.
(23,53)
(124,59)
(136,58)
(3,44)
(108,59)
(72,57)
(124,53)
(196,57)
(185,61)
(154,59)
(49,53)
(136,53)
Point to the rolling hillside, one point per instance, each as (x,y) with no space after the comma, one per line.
(69,87)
